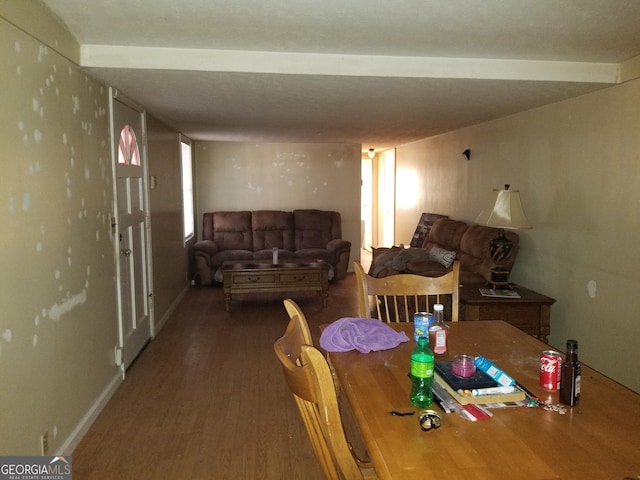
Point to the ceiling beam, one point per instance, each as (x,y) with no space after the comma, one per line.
(204,60)
(630,70)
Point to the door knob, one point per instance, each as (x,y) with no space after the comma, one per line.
(126,252)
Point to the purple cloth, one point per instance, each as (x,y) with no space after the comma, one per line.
(362,334)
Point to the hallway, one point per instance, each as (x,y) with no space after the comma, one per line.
(207,398)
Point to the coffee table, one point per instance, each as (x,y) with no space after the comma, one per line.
(263,276)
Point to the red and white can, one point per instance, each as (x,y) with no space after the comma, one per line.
(550,363)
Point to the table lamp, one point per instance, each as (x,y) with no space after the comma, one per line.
(506,212)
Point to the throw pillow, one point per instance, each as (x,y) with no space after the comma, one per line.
(442,256)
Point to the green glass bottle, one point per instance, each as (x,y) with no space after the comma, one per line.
(422,363)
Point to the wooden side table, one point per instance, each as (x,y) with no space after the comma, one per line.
(531,312)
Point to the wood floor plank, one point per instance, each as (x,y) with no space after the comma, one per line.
(207,399)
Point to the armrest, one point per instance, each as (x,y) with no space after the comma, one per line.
(205,248)
(341,250)
(337,245)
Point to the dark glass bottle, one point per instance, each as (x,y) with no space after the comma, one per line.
(570,375)
(422,364)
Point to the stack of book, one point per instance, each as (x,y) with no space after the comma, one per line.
(462,395)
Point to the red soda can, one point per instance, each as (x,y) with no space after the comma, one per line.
(550,363)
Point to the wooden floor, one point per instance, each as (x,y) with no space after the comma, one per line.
(207,398)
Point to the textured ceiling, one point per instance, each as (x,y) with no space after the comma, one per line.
(372,72)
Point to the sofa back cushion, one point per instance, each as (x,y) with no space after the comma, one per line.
(232,230)
(316,228)
(446,233)
(272,229)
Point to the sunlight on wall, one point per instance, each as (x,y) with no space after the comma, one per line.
(407,194)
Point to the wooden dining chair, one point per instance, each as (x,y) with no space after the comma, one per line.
(302,326)
(395,298)
(302,330)
(309,378)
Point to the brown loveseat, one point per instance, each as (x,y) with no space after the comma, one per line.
(447,240)
(244,235)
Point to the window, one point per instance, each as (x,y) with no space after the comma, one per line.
(128,152)
(187,188)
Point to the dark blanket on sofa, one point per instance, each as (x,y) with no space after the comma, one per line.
(397,259)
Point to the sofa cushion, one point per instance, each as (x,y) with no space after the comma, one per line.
(314,228)
(268,254)
(423,228)
(272,229)
(232,255)
(232,230)
(446,233)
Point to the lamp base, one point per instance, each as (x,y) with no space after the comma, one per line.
(499,279)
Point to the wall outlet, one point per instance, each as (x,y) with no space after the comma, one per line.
(44,444)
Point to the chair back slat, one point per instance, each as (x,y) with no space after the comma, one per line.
(397,297)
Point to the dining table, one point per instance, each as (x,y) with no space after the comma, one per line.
(599,438)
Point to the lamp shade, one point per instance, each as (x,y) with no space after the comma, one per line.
(506,211)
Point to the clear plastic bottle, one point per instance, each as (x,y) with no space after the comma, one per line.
(570,375)
(438,331)
(422,368)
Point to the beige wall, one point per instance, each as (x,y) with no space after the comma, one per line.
(58,327)
(280,176)
(576,164)
(170,257)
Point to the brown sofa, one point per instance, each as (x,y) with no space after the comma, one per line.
(243,235)
(447,240)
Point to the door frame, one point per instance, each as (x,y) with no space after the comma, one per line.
(115,95)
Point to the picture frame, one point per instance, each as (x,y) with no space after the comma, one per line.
(423,228)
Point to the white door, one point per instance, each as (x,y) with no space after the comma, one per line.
(134,277)
(386,197)
(366,207)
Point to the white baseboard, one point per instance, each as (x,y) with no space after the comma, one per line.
(72,441)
